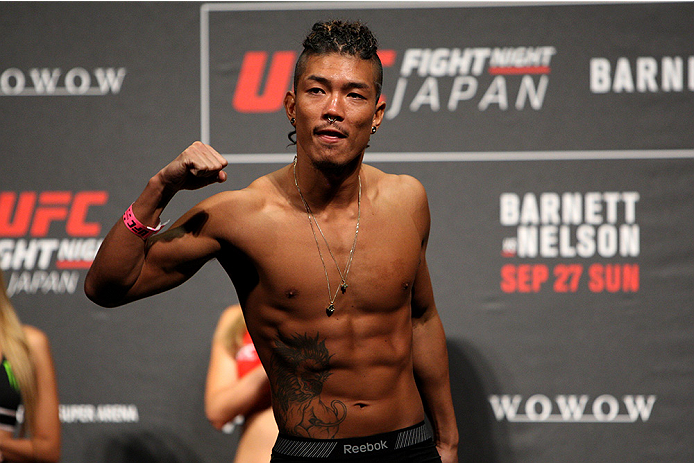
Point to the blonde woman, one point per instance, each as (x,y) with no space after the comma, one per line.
(27,376)
(238,389)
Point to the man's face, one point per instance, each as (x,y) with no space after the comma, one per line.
(341,88)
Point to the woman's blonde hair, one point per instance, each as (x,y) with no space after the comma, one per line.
(232,338)
(15,348)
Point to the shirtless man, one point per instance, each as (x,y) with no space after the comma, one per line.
(327,256)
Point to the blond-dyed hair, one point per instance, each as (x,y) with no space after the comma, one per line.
(15,348)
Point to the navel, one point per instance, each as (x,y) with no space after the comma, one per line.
(406,286)
(291,293)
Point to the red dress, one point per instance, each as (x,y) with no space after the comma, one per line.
(246,358)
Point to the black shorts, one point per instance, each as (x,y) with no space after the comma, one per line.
(408,445)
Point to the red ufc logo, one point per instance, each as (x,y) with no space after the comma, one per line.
(249,98)
(23,215)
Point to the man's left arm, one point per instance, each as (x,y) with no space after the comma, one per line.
(430,353)
(430,356)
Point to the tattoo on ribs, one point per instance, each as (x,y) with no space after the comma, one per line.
(300,366)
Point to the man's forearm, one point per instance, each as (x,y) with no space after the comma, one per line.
(431,372)
(120,258)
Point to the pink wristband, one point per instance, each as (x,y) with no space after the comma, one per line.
(138,227)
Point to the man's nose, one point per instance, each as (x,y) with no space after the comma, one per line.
(334,108)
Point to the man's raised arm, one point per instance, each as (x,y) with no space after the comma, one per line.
(128,267)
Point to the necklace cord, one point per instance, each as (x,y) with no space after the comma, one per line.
(311,220)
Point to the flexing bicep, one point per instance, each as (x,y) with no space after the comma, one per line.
(127,268)
(173,256)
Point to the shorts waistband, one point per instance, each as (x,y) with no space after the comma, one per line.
(352,447)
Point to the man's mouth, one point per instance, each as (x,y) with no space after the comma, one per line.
(330,131)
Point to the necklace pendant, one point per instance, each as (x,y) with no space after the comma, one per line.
(329,310)
(343,287)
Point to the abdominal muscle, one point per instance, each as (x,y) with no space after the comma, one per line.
(377,404)
(356,380)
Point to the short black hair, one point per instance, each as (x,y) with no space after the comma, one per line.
(344,37)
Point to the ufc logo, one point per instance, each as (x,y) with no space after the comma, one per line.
(33,213)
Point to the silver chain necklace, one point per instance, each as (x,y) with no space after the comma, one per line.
(311,220)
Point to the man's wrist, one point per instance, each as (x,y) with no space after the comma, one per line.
(138,228)
(159,189)
(447,438)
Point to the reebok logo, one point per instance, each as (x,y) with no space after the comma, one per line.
(365,448)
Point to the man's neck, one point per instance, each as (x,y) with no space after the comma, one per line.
(327,186)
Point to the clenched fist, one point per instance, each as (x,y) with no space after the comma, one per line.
(198,166)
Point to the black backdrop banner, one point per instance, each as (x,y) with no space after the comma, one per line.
(556,146)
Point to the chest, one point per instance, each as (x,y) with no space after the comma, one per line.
(301,262)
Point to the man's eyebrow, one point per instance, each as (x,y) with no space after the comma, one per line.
(324,81)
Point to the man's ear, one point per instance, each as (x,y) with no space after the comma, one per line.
(378,115)
(290,104)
